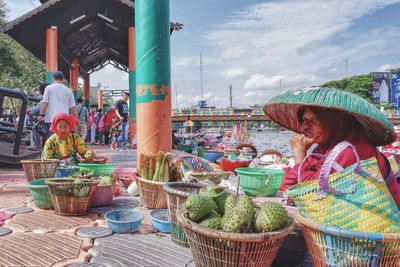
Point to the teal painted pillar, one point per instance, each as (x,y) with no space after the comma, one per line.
(153,76)
(132,81)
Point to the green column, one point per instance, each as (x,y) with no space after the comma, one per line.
(153,64)
(49,77)
(153,76)
(132,95)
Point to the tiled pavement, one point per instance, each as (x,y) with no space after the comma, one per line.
(42,238)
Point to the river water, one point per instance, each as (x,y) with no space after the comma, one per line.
(272,139)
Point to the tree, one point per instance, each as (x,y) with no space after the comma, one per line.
(3,12)
(18,67)
(360,85)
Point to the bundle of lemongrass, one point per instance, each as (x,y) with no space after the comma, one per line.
(156,167)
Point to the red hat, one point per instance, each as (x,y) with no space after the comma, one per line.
(71,120)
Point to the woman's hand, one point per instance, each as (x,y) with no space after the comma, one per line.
(300,144)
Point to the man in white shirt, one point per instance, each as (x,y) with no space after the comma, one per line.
(57,99)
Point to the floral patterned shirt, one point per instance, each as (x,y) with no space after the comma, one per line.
(55,148)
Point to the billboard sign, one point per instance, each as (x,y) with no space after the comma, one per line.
(394,89)
(380,87)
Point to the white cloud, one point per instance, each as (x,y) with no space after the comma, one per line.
(295,38)
(260,81)
(181,62)
(233,73)
(386,67)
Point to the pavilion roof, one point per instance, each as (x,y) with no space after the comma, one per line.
(94,31)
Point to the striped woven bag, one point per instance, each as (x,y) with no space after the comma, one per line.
(355,198)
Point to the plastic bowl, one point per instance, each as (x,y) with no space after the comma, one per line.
(213,155)
(160,221)
(103,196)
(65,171)
(41,194)
(124,221)
(230,166)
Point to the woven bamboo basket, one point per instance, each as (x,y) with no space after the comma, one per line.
(176,194)
(39,168)
(332,246)
(151,194)
(71,198)
(213,248)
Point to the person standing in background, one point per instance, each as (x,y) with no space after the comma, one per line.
(57,99)
(93,126)
(108,123)
(83,116)
(122,112)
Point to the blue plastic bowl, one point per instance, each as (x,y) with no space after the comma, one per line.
(160,221)
(213,155)
(124,221)
(65,171)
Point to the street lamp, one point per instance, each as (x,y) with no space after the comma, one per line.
(280,85)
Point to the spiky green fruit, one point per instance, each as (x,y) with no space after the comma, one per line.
(199,207)
(245,209)
(214,222)
(271,216)
(239,214)
(219,197)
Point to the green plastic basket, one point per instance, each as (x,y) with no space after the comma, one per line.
(260,182)
(41,194)
(98,169)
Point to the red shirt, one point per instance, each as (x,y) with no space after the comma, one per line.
(108,117)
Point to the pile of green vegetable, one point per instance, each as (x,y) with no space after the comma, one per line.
(158,167)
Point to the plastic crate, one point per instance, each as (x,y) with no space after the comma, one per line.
(98,169)
(260,182)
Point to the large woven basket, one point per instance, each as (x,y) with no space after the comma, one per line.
(40,168)
(151,194)
(71,198)
(213,248)
(177,193)
(332,246)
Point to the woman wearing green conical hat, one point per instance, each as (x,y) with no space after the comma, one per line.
(326,117)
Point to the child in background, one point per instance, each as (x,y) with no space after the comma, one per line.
(115,133)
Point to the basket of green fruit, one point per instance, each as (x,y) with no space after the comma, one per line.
(234,232)
(105,191)
(82,174)
(177,193)
(72,196)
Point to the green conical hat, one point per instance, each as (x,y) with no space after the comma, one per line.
(283,108)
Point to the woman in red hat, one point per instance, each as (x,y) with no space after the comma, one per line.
(64,144)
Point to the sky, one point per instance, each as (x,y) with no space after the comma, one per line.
(263,48)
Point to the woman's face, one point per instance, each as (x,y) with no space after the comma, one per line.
(312,127)
(62,128)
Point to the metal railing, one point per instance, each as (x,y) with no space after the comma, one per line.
(12,93)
